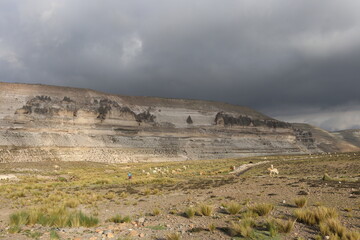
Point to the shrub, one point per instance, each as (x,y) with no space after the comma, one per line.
(262,209)
(300,202)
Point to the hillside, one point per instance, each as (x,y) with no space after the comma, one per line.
(352,136)
(40,122)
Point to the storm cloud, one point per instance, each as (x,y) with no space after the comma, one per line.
(294,60)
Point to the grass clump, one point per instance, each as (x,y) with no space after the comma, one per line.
(59,217)
(156,212)
(205,210)
(272,227)
(72,203)
(327,221)
(212,227)
(173,236)
(119,219)
(332,226)
(285,226)
(190,212)
(243,228)
(262,209)
(326,177)
(233,208)
(300,202)
(15,229)
(313,216)
(54,235)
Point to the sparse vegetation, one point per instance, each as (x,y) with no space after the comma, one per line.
(205,210)
(233,208)
(243,228)
(54,235)
(271,226)
(51,201)
(300,202)
(156,212)
(59,217)
(326,177)
(173,236)
(190,212)
(313,216)
(212,227)
(262,209)
(120,219)
(285,226)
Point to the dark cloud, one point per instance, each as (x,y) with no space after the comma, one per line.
(289,59)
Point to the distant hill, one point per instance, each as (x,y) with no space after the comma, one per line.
(49,123)
(352,136)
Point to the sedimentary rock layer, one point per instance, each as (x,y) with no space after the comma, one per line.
(39,123)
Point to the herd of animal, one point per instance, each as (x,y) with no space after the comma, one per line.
(272,171)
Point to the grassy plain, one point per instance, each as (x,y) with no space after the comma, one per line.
(314,196)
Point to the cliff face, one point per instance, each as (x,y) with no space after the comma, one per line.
(39,122)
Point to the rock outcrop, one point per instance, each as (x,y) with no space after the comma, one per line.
(39,122)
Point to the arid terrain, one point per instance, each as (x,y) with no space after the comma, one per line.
(49,123)
(207,199)
(199,170)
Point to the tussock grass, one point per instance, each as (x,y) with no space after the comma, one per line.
(313,216)
(300,202)
(332,226)
(262,209)
(54,235)
(326,177)
(119,219)
(271,226)
(15,229)
(212,227)
(72,203)
(59,217)
(243,228)
(233,208)
(285,226)
(205,210)
(156,212)
(173,236)
(327,221)
(190,212)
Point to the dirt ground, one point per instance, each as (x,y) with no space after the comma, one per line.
(157,196)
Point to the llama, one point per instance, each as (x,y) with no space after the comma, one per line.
(273,171)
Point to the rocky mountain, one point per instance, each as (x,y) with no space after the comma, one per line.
(39,122)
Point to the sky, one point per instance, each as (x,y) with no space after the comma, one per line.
(296,61)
